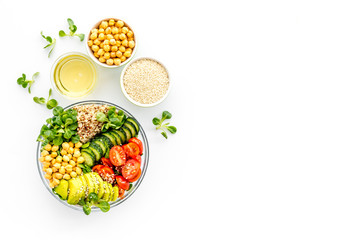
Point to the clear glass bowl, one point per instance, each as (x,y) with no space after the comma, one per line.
(144,160)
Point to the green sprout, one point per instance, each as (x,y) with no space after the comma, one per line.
(51,41)
(72,28)
(50,103)
(25,82)
(159,124)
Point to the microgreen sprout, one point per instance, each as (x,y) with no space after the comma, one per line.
(72,28)
(51,41)
(91,200)
(159,124)
(114,119)
(50,103)
(25,82)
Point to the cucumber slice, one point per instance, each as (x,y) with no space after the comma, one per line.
(117,137)
(131,127)
(135,123)
(128,133)
(110,137)
(101,144)
(88,156)
(122,135)
(96,149)
(107,141)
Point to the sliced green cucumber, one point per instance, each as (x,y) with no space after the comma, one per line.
(102,144)
(89,157)
(96,149)
(110,137)
(135,123)
(127,132)
(122,135)
(107,141)
(117,137)
(131,127)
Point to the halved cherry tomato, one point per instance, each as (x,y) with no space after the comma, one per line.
(135,178)
(117,156)
(131,149)
(138,158)
(131,169)
(122,182)
(121,193)
(105,172)
(106,162)
(138,142)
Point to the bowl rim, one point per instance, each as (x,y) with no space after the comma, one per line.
(135,186)
(127,95)
(62,56)
(96,60)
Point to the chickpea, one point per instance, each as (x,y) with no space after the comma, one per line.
(125,43)
(47,176)
(44,169)
(56,182)
(66,176)
(108,30)
(101,30)
(128,50)
(44,153)
(71,144)
(68,168)
(107,55)
(78,145)
(111,22)
(97,41)
(65,146)
(49,171)
(53,161)
(94,30)
(66,158)
(107,48)
(55,148)
(106,42)
(123,58)
(63,152)
(102,59)
(42,159)
(58,175)
(77,153)
(104,24)
(122,49)
(116,36)
(114,48)
(119,24)
(54,169)
(62,170)
(51,184)
(71,149)
(95,48)
(72,163)
(46,164)
(122,36)
(57,165)
(110,61)
(53,154)
(130,34)
(131,44)
(64,164)
(127,54)
(118,53)
(125,30)
(93,36)
(118,43)
(73,174)
(96,55)
(70,156)
(112,54)
(115,30)
(117,61)
(80,160)
(47,147)
(109,36)
(78,170)
(101,45)
(48,158)
(130,39)
(90,43)
(112,41)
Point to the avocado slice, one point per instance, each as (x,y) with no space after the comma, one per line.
(106,195)
(111,192)
(75,186)
(89,182)
(101,185)
(84,186)
(62,189)
(96,185)
(116,193)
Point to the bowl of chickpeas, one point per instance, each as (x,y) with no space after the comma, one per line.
(111,43)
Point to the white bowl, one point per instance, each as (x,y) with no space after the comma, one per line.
(95,59)
(127,95)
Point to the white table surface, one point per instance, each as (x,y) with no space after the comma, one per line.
(265,99)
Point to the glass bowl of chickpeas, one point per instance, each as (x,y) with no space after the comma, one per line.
(111,43)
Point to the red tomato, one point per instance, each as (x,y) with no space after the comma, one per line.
(106,162)
(105,172)
(131,169)
(131,149)
(136,178)
(122,182)
(138,158)
(138,142)
(121,193)
(117,156)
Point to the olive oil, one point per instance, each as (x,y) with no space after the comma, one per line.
(74,75)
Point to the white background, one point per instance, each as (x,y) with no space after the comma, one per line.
(265,99)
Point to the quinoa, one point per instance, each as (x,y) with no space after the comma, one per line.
(146,81)
(88,126)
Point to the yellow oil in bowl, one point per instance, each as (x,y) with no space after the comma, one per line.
(74,75)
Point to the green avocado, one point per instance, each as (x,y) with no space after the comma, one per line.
(106,195)
(89,182)
(84,186)
(62,189)
(116,193)
(99,181)
(96,185)
(75,192)
(111,192)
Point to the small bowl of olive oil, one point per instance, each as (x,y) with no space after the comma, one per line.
(74,75)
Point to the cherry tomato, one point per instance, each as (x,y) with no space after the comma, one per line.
(106,162)
(131,149)
(105,172)
(135,178)
(117,156)
(138,158)
(131,169)
(121,193)
(122,182)
(139,143)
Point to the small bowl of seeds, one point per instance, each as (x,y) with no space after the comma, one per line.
(111,43)
(145,82)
